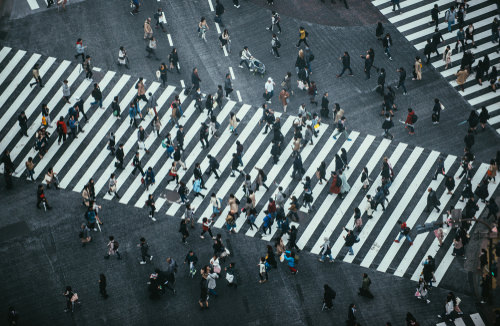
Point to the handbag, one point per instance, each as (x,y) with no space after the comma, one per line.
(229,277)
(318,175)
(74,297)
(417,294)
(442,106)
(158,74)
(283,83)
(142,180)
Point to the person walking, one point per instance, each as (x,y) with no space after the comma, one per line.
(150,202)
(151,48)
(203,28)
(350,239)
(404,232)
(275,21)
(173,59)
(143,245)
(112,248)
(102,286)
(119,155)
(432,201)
(387,44)
(66,91)
(417,68)
(71,299)
(387,125)
(228,87)
(136,163)
(341,129)
(436,111)
(97,95)
(411,118)
(351,315)
(269,90)
(401,81)
(303,34)
(112,186)
(122,57)
(262,270)
(36,75)
(326,251)
(328,297)
(364,290)
(275,45)
(23,124)
(450,16)
(219,11)
(87,67)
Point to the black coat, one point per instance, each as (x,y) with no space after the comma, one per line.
(324,102)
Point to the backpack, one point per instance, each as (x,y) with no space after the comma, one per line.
(116,245)
(268,267)
(406,230)
(311,57)
(373,205)
(338,183)
(278,43)
(307,34)
(414,118)
(216,164)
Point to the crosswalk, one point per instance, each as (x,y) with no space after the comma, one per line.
(78,160)
(413,23)
(470,320)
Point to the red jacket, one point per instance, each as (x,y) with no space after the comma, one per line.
(409,118)
(271,207)
(403,226)
(63,125)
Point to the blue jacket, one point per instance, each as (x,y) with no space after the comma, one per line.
(290,260)
(72,124)
(90,215)
(132,112)
(197,185)
(267,220)
(150,177)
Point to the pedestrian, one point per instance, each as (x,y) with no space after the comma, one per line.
(211,279)
(206,227)
(151,48)
(387,44)
(236,3)
(364,290)
(404,232)
(112,248)
(150,202)
(303,34)
(112,186)
(119,155)
(394,4)
(102,286)
(231,275)
(368,64)
(381,82)
(312,92)
(203,28)
(136,163)
(143,245)
(351,317)
(13,316)
(36,75)
(341,129)
(149,178)
(173,59)
(269,90)
(432,201)
(436,111)
(262,270)
(290,259)
(87,66)
(85,234)
(219,11)
(449,184)
(328,297)
(450,16)
(484,115)
(245,57)
(350,239)
(228,87)
(71,299)
(275,21)
(203,301)
(449,308)
(401,81)
(326,251)
(66,91)
(275,45)
(462,75)
(97,95)
(148,31)
(417,68)
(447,57)
(387,125)
(80,49)
(161,21)
(122,57)
(411,118)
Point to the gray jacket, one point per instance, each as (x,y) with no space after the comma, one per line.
(228,84)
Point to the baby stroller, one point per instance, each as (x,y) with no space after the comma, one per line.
(257,66)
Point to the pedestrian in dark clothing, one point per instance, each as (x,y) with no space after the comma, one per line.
(436,111)
(364,290)
(97,95)
(432,201)
(387,44)
(350,239)
(346,64)
(402,78)
(387,125)
(23,123)
(469,139)
(351,317)
(492,208)
(328,297)
(219,11)
(195,80)
(119,154)
(144,251)
(213,166)
(381,82)
(8,168)
(324,106)
(292,239)
(435,15)
(13,316)
(473,120)
(204,135)
(379,31)
(368,65)
(136,162)
(303,34)
(102,286)
(439,169)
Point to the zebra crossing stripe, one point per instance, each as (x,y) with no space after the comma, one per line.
(12,63)
(413,218)
(196,151)
(328,201)
(477,320)
(27,90)
(353,135)
(417,11)
(404,5)
(3,53)
(398,212)
(214,151)
(459,322)
(98,136)
(36,124)
(287,178)
(448,258)
(32,106)
(240,221)
(33,4)
(405,169)
(74,143)
(165,168)
(346,202)
(247,156)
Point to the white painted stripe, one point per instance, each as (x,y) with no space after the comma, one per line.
(451,71)
(225,51)
(13,109)
(403,4)
(217,27)
(328,201)
(441,324)
(239,96)
(13,85)
(400,177)
(232,73)
(55,78)
(210,4)
(459,322)
(122,176)
(182,83)
(321,156)
(33,4)
(427,32)
(96,69)
(3,53)
(495,119)
(477,320)
(12,63)
(253,174)
(36,124)
(417,11)
(413,218)
(287,178)
(120,132)
(64,158)
(192,133)
(97,137)
(450,36)
(346,202)
(398,212)
(448,258)
(170,40)
(483,98)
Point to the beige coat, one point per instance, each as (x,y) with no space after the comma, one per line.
(233,207)
(283,97)
(141,90)
(462,76)
(296,145)
(233,122)
(339,115)
(418,69)
(148,31)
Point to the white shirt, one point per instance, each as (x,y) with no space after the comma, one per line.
(269,86)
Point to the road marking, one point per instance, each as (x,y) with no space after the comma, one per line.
(239,96)
(4,52)
(210,4)
(232,73)
(96,69)
(170,40)
(12,63)
(182,83)
(218,28)
(225,51)
(33,4)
